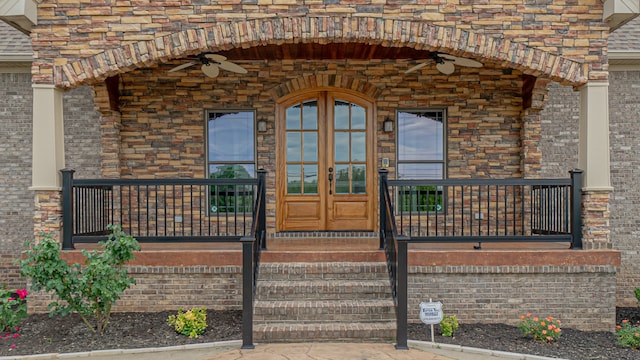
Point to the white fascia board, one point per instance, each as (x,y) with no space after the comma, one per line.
(624,55)
(15,57)
(21,14)
(618,12)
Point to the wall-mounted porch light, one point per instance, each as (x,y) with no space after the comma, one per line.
(262,125)
(387,125)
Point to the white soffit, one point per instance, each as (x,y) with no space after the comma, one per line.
(21,14)
(618,12)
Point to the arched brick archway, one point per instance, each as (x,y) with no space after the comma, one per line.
(392,33)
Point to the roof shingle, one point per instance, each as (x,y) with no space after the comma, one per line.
(627,37)
(13,41)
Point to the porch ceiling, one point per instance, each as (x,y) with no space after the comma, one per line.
(314,51)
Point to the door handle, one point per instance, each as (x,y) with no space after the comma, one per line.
(330,181)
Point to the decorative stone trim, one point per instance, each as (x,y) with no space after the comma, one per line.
(596,232)
(336,80)
(340,29)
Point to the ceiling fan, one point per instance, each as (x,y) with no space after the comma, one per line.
(446,64)
(211,65)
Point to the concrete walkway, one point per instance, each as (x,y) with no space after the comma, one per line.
(230,350)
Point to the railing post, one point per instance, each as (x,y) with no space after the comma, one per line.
(67,209)
(247,292)
(576,209)
(401,293)
(383,175)
(262,211)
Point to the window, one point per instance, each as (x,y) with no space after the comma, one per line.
(421,151)
(231,155)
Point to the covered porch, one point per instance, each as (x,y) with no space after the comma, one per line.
(480,187)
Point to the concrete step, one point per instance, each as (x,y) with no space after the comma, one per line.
(346,311)
(324,290)
(323,270)
(362,331)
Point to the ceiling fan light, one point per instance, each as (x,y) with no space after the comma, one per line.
(446,67)
(210,70)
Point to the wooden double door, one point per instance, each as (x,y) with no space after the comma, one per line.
(325,162)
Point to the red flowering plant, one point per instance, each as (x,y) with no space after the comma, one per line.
(13,308)
(546,330)
(628,335)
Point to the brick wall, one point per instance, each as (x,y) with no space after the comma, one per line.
(82,140)
(624,138)
(560,121)
(581,296)
(161,288)
(16,202)
(560,152)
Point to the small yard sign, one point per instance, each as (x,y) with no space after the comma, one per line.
(431,312)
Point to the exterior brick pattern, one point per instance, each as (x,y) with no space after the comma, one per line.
(625,170)
(500,294)
(16,202)
(161,288)
(560,144)
(81,137)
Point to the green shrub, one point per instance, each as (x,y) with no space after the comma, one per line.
(191,323)
(628,335)
(637,292)
(448,325)
(547,330)
(89,290)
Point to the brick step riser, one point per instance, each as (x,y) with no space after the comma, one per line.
(305,318)
(330,311)
(362,333)
(321,276)
(323,302)
(331,291)
(320,257)
(323,268)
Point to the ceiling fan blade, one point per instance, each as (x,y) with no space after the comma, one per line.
(446,67)
(417,67)
(210,70)
(462,61)
(183,66)
(229,66)
(215,57)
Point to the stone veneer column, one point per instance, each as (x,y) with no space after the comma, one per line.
(47,159)
(110,125)
(593,158)
(531,133)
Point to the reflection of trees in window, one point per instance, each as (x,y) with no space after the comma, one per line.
(231,198)
(231,155)
(420,198)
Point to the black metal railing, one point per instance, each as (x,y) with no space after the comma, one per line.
(157,210)
(394,244)
(251,248)
(173,210)
(489,210)
(472,210)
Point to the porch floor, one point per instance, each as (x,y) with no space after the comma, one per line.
(363,249)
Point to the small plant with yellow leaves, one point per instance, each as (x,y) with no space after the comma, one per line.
(190,323)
